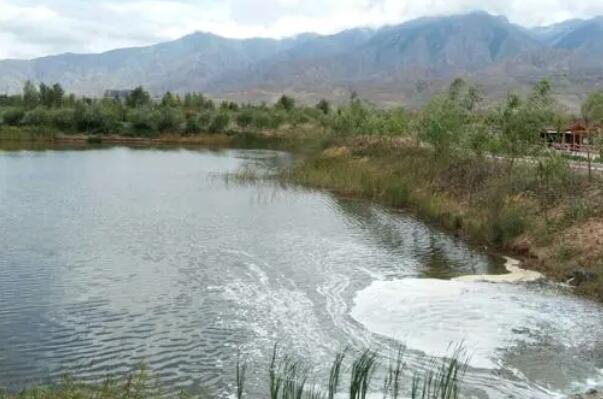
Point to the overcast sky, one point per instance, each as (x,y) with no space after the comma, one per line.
(32,28)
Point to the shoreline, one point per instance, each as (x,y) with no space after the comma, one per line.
(379,175)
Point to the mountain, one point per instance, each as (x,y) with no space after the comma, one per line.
(405,62)
(585,37)
(551,34)
(572,34)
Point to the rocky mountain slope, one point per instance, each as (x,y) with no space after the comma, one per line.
(395,64)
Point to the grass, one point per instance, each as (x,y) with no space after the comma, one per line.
(288,378)
(137,385)
(524,209)
(363,369)
(334,374)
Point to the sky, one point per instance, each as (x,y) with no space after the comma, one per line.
(34,28)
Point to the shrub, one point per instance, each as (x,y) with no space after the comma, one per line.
(64,119)
(170,120)
(285,102)
(142,121)
(324,106)
(95,118)
(13,116)
(36,117)
(245,118)
(510,223)
(192,124)
(219,123)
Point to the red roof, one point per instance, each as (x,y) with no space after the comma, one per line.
(577,127)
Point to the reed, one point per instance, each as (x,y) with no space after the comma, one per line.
(335,373)
(363,369)
(289,378)
(241,373)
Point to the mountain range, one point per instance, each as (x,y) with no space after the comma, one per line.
(401,64)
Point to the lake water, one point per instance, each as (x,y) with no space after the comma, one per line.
(113,257)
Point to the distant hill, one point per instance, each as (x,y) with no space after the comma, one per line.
(404,63)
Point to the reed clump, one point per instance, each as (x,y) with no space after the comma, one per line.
(289,378)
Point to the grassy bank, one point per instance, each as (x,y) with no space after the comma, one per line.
(351,375)
(545,212)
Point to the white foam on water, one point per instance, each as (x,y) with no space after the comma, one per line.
(429,315)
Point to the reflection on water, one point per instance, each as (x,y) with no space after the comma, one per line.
(115,256)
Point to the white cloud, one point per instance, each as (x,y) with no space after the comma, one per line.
(30,28)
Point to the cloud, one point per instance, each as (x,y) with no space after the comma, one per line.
(31,28)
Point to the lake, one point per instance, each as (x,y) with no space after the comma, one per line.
(113,257)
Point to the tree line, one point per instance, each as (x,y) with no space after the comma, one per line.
(139,114)
(452,121)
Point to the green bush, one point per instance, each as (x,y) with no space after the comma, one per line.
(245,118)
(64,119)
(262,120)
(510,223)
(286,103)
(219,123)
(13,116)
(192,124)
(36,117)
(170,120)
(142,121)
(96,118)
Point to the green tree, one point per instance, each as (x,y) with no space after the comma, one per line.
(13,116)
(324,106)
(285,102)
(170,120)
(58,95)
(45,95)
(170,100)
(31,96)
(592,109)
(442,123)
(192,124)
(139,97)
(64,119)
(245,118)
(520,123)
(143,121)
(219,123)
(36,117)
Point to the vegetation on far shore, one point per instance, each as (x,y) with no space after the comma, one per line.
(480,171)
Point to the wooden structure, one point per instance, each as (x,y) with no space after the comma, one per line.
(577,137)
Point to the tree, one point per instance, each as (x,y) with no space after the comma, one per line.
(143,121)
(219,123)
(442,123)
(466,95)
(520,123)
(324,106)
(13,116)
(51,96)
(169,100)
(245,118)
(455,89)
(170,120)
(285,102)
(192,125)
(58,95)
(592,109)
(31,96)
(45,95)
(138,97)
